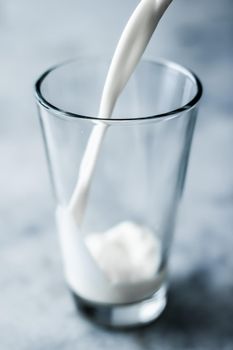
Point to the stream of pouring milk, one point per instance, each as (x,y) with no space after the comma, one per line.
(90,270)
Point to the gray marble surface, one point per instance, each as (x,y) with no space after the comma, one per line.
(36,310)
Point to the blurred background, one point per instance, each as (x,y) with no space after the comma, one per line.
(36,311)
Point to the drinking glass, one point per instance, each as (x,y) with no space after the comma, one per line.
(138,177)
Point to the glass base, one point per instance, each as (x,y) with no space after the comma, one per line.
(124,315)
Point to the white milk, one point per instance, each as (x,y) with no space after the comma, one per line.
(130,48)
(126,253)
(120,265)
(117,266)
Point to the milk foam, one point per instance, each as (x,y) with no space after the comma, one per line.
(126,253)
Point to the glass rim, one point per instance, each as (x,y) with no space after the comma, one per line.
(41,100)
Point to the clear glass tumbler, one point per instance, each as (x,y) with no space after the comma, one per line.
(115,258)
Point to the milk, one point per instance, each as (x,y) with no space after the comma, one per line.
(130,48)
(122,264)
(126,253)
